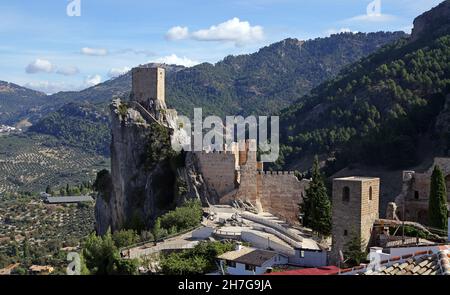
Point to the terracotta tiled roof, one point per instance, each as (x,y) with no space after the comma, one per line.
(419,263)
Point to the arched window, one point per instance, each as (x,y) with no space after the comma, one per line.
(346,194)
(345,233)
(370,193)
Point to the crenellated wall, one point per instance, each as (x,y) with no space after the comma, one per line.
(240,176)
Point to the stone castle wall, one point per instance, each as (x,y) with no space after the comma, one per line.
(281,193)
(238,175)
(219,171)
(418,191)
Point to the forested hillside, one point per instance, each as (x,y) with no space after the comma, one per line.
(379,110)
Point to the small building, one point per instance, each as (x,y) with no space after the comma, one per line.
(68,200)
(250,261)
(41,270)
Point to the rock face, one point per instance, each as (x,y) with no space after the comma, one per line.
(138,193)
(432,23)
(147,177)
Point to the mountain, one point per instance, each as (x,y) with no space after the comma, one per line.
(19,102)
(263,82)
(390,109)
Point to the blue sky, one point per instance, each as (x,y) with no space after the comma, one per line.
(45,49)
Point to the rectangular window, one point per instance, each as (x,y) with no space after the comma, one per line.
(231,264)
(250,267)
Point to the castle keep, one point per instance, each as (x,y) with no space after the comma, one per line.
(355,209)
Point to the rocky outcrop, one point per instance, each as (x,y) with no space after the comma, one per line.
(433,23)
(147,177)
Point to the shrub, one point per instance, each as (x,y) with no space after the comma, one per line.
(199,260)
(187,216)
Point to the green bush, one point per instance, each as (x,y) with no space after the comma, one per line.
(185,217)
(102,257)
(199,260)
(125,238)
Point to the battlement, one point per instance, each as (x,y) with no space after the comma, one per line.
(276,172)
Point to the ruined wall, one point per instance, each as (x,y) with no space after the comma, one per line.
(280,193)
(219,170)
(418,191)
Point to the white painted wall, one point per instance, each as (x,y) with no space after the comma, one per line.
(240,267)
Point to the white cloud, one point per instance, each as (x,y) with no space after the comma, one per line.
(372,18)
(50,87)
(177,33)
(136,51)
(39,65)
(115,72)
(175,60)
(94,51)
(234,30)
(68,71)
(92,80)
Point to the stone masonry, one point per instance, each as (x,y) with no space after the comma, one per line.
(355,209)
(237,175)
(416,191)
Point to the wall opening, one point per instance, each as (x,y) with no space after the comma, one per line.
(346,194)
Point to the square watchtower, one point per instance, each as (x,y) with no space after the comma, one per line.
(148,87)
(355,209)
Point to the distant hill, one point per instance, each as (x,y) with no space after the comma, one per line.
(81,125)
(18,102)
(392,108)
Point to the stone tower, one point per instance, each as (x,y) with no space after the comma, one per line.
(355,208)
(148,87)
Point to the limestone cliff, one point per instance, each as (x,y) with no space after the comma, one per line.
(147,177)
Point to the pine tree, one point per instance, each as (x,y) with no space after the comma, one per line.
(316,205)
(353,253)
(437,206)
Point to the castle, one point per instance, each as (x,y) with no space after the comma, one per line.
(234,174)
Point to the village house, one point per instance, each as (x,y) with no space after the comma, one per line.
(250,261)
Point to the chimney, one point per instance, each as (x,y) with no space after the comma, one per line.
(238,246)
